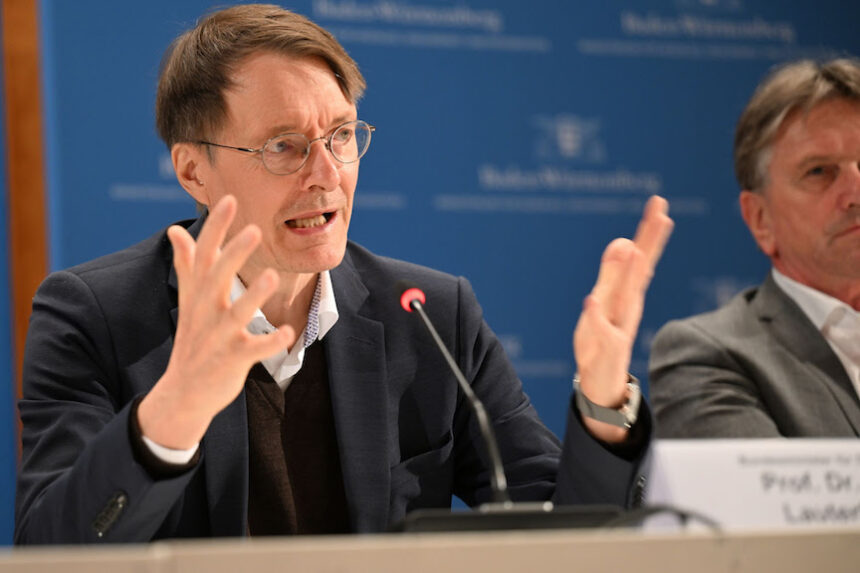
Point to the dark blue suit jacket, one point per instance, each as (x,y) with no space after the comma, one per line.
(101,334)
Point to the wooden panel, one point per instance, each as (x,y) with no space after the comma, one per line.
(26,184)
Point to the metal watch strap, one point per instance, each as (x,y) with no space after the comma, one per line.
(623,417)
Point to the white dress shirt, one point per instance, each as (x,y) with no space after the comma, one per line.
(284,365)
(322,315)
(838,323)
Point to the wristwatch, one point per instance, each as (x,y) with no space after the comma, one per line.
(623,417)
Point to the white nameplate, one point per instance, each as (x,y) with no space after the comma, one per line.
(759,483)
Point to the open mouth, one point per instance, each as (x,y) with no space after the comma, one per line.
(310,222)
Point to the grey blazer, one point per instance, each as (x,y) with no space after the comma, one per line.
(756,367)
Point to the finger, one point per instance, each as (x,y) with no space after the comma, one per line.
(624,300)
(183,255)
(591,328)
(654,229)
(650,240)
(183,248)
(264,345)
(651,235)
(602,353)
(257,293)
(214,231)
(232,257)
(630,295)
(624,277)
(613,263)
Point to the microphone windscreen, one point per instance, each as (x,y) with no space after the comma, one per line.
(409,292)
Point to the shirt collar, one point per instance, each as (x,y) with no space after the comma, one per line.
(327,314)
(822,309)
(322,315)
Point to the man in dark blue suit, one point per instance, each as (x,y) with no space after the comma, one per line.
(251,372)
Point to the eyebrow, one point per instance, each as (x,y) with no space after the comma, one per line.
(291,128)
(813,159)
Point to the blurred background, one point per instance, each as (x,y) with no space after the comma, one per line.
(514,141)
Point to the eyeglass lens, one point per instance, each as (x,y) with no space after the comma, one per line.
(287,153)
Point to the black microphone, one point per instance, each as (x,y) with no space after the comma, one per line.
(412,299)
(502,513)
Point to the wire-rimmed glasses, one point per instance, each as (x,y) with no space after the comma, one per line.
(287,152)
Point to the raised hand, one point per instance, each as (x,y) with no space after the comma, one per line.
(212,350)
(604,335)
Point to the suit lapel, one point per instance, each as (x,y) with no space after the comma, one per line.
(225,451)
(355,351)
(788,324)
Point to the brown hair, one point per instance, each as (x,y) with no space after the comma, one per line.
(798,85)
(197,67)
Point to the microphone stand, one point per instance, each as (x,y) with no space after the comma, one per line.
(501,513)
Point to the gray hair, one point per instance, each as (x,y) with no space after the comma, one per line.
(799,85)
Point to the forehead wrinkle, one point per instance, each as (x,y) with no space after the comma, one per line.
(301,109)
(820,158)
(339,120)
(820,134)
(809,144)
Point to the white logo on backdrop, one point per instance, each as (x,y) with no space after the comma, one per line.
(701,30)
(711,5)
(405,14)
(692,26)
(571,172)
(433,27)
(568,136)
(567,174)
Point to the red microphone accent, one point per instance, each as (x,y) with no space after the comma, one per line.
(409,295)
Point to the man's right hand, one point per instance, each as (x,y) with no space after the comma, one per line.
(212,349)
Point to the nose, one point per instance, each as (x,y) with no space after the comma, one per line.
(321,169)
(850,188)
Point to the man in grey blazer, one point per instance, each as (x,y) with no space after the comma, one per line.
(782,359)
(251,372)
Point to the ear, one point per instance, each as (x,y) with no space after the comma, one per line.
(191,165)
(755,210)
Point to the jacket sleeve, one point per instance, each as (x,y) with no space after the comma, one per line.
(581,470)
(700,390)
(79,480)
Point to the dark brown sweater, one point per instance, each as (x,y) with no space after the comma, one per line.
(296,484)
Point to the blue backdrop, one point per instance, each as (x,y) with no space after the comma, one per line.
(514,140)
